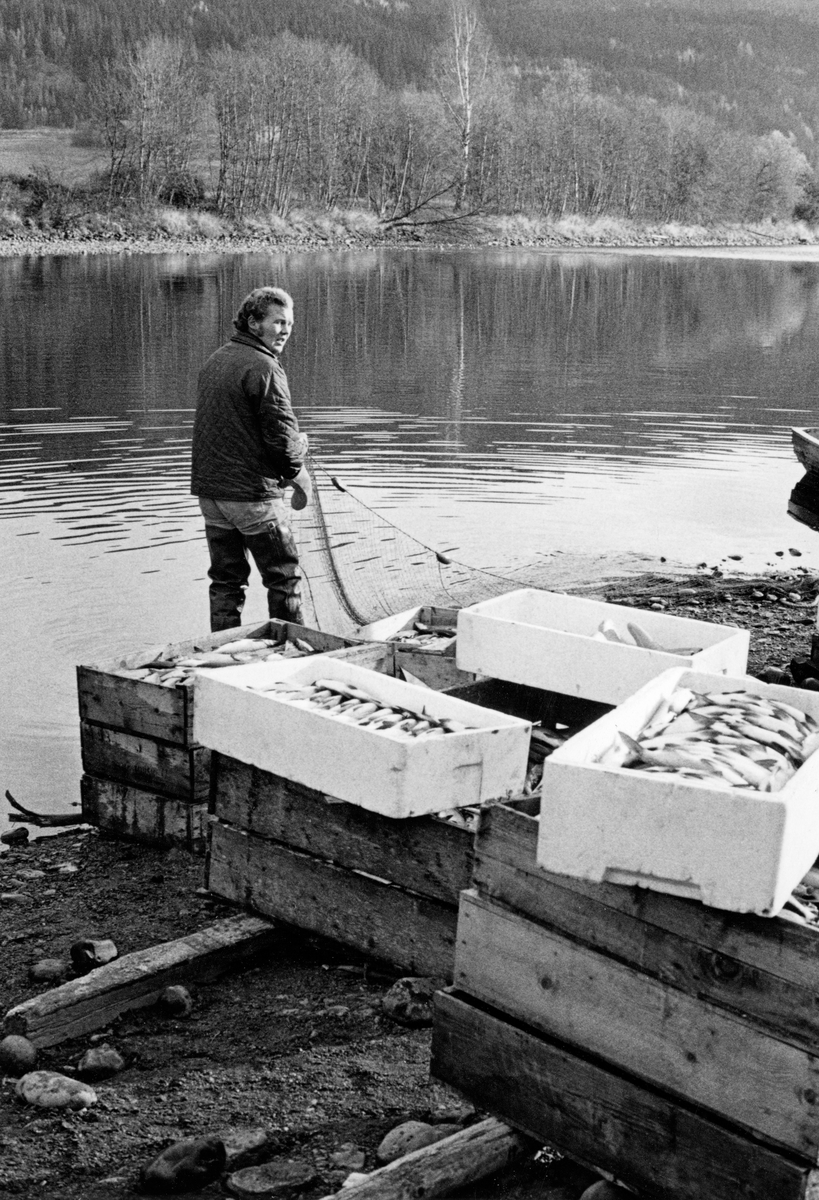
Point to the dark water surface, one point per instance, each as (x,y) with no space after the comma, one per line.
(585,410)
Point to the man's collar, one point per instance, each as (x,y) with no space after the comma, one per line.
(250,339)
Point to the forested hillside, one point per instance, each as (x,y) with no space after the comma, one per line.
(673,110)
(751,63)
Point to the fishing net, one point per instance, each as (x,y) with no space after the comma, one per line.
(358,567)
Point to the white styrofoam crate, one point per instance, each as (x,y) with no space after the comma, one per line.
(356,764)
(546,640)
(741,851)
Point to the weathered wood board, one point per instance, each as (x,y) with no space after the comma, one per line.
(688,1047)
(435,670)
(133,814)
(138,979)
(411,931)
(603,1118)
(764,969)
(422,854)
(144,762)
(437,1170)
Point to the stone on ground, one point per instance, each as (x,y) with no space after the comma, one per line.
(17,1055)
(409,1136)
(409,1001)
(185,1166)
(101,1062)
(274,1179)
(49,1089)
(90,953)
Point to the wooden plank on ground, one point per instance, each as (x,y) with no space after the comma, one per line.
(182,771)
(671,1040)
(138,979)
(766,969)
(423,854)
(601,1117)
(137,815)
(410,931)
(437,1170)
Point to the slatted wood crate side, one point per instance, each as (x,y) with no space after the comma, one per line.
(435,670)
(412,932)
(422,854)
(765,970)
(131,705)
(601,1117)
(162,712)
(135,814)
(685,1046)
(145,762)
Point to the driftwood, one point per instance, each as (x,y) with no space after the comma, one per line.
(437,1170)
(138,979)
(43,820)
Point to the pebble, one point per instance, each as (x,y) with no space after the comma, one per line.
(350,1156)
(49,1089)
(458,1113)
(14,898)
(409,1001)
(48,970)
(17,1054)
(279,1178)
(89,953)
(245,1146)
(177,1001)
(188,1165)
(101,1062)
(409,1136)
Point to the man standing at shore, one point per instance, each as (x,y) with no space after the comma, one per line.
(247,449)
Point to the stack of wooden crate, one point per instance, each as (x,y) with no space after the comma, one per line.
(384,887)
(146,779)
(387,888)
(670,1045)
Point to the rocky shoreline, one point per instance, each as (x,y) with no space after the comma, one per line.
(469,234)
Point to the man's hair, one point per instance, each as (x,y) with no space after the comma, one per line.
(259,303)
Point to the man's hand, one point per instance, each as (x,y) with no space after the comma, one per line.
(302,490)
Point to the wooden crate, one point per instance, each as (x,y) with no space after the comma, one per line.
(106,698)
(392,629)
(137,815)
(145,778)
(707,1014)
(389,888)
(601,1117)
(386,887)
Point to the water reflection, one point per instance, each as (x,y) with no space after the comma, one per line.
(505,405)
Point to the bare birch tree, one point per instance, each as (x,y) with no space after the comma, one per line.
(463,74)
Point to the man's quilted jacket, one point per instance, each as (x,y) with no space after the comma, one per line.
(246,438)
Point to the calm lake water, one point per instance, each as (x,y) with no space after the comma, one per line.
(591,412)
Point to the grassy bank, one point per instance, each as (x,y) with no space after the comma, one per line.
(70,230)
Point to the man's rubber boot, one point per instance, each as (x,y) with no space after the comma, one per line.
(229,573)
(275,554)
